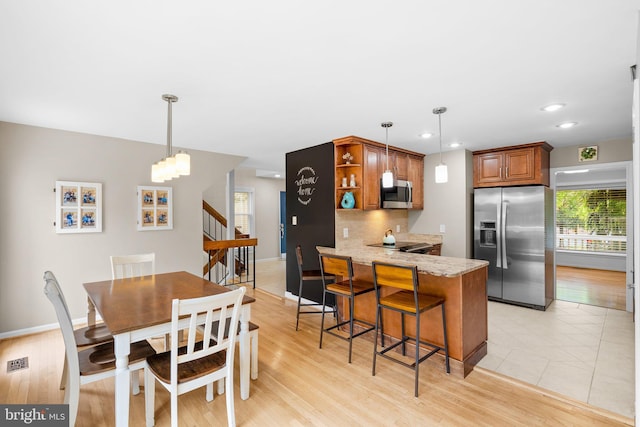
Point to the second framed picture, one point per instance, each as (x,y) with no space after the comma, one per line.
(155,209)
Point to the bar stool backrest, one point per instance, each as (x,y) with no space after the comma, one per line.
(396,276)
(336,265)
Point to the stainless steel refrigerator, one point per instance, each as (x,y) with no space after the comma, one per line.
(513,230)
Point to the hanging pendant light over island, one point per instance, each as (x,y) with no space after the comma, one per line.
(387,176)
(442,175)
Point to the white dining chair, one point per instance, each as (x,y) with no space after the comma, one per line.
(253,340)
(92,364)
(199,363)
(124,266)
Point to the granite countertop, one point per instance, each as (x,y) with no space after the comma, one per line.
(431,264)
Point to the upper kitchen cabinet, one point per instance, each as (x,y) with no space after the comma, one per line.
(368,162)
(526,164)
(373,159)
(415,174)
(398,163)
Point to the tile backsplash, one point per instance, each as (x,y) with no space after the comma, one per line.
(366,227)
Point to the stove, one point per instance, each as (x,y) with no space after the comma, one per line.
(409,247)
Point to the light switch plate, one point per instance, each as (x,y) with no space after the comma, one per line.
(345,232)
(294,220)
(442,228)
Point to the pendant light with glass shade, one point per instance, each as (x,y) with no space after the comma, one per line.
(387,176)
(171,166)
(441,169)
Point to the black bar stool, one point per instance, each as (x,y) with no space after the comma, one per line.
(406,301)
(349,287)
(306,276)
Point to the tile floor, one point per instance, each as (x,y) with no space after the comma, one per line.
(580,351)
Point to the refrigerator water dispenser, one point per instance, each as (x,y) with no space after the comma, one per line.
(487,234)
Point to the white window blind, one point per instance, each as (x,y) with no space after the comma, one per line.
(244,211)
(592,220)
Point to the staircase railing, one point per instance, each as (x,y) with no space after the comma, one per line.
(214,226)
(243,271)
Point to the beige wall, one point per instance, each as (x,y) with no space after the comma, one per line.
(449,204)
(608,152)
(33,159)
(267,210)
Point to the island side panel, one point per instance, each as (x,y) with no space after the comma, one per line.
(475,318)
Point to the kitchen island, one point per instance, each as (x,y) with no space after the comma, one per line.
(462,284)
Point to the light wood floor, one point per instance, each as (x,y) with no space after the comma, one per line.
(602,288)
(301,385)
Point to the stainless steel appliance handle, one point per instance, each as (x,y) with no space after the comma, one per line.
(499,238)
(503,234)
(410,199)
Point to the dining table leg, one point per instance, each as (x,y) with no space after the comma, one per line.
(91,313)
(122,348)
(245,316)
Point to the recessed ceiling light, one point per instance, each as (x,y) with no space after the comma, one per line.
(553,107)
(277,175)
(567,125)
(455,144)
(426,135)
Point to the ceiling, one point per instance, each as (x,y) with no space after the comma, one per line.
(259,79)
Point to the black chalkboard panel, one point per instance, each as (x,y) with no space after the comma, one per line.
(310,203)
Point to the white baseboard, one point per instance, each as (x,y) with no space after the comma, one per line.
(42,328)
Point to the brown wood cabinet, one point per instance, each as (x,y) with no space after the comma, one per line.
(372,166)
(516,165)
(415,174)
(368,163)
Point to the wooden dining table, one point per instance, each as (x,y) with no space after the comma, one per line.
(138,308)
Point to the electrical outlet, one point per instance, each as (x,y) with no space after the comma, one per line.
(442,228)
(397,228)
(294,220)
(345,233)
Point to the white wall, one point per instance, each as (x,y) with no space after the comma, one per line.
(267,210)
(32,160)
(449,204)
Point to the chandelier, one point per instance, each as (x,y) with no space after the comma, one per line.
(171,166)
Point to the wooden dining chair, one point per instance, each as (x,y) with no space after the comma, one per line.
(124,266)
(85,337)
(253,340)
(199,363)
(92,364)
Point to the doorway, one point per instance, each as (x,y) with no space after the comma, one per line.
(594,235)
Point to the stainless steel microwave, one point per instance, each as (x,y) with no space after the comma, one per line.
(399,196)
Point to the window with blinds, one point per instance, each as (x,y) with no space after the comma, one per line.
(243,201)
(592,220)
